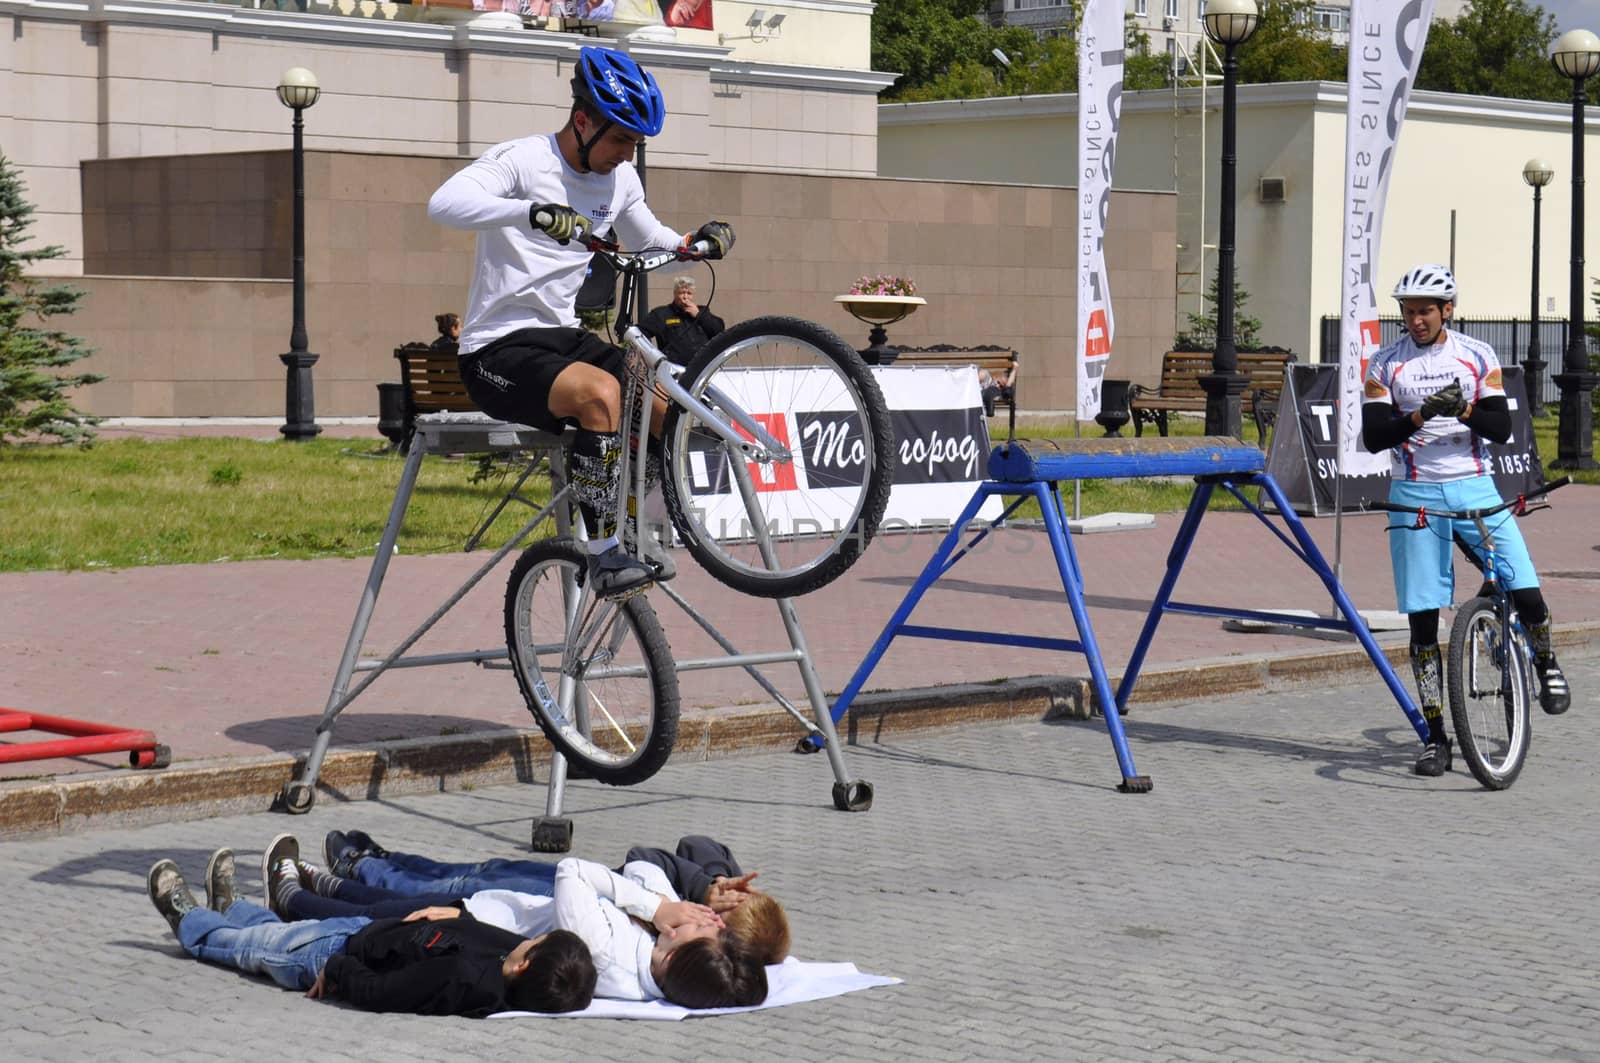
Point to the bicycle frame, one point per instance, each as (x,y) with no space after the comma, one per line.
(1513,638)
(747,435)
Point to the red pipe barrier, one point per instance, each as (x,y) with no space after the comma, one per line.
(87,738)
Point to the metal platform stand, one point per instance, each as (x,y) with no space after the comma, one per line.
(1019,475)
(474,432)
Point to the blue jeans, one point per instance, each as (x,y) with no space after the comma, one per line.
(250,938)
(358,898)
(409,874)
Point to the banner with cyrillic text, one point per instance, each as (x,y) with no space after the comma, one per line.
(1386,39)
(1100,45)
(941,453)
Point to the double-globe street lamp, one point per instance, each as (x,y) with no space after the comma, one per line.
(1229,23)
(1576,56)
(1537,173)
(298,90)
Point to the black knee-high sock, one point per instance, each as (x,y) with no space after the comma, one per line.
(1427,669)
(592,472)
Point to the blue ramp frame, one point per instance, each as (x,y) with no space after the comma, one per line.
(1214,462)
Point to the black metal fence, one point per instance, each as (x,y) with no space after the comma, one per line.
(1507,335)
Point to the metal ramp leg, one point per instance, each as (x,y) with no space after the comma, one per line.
(299,795)
(945,557)
(1303,546)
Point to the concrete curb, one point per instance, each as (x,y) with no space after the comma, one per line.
(203,789)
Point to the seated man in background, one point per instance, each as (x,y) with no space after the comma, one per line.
(681,327)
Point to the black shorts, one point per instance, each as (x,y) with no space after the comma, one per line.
(510,378)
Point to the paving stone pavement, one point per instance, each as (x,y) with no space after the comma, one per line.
(1287,892)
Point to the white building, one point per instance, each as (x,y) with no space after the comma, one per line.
(1456,191)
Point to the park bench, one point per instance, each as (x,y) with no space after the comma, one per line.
(993,358)
(429,383)
(1179,388)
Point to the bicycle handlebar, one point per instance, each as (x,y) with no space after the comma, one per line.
(1520,504)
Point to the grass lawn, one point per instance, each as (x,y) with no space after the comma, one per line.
(134,502)
(126,502)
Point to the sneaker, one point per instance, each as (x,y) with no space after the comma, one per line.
(169,893)
(341,853)
(220,892)
(1435,759)
(283,847)
(616,573)
(1555,697)
(285,869)
(364,842)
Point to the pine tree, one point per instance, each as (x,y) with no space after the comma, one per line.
(1201,334)
(33,398)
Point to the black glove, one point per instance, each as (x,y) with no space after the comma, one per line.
(560,221)
(1446,402)
(717,234)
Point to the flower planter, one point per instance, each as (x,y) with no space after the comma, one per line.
(878,311)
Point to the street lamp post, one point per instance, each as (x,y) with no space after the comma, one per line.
(1537,173)
(1230,23)
(298,90)
(1576,56)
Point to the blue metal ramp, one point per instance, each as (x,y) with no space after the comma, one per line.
(1024,469)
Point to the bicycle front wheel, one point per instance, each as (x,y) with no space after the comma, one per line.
(812,392)
(598,675)
(1491,687)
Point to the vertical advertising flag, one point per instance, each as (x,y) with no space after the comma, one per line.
(1099,112)
(1386,39)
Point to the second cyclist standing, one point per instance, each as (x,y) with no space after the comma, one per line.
(1432,398)
(524,356)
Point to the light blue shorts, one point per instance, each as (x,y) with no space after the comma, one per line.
(1424,558)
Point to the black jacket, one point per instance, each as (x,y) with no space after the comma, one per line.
(448,967)
(679,335)
(693,869)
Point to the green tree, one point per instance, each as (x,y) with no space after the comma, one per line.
(33,398)
(1038,67)
(1201,335)
(1288,46)
(926,40)
(1494,48)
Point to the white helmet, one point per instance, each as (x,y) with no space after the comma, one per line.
(1427,281)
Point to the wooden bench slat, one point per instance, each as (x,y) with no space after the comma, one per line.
(433,382)
(1179,388)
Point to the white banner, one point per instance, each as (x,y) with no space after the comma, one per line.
(1386,39)
(941,452)
(1099,113)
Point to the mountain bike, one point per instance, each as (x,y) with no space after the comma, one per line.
(776,457)
(1489,669)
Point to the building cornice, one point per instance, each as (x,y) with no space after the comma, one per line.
(802,77)
(341,29)
(1323,95)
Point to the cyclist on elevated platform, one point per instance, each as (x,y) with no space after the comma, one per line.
(1432,398)
(524,356)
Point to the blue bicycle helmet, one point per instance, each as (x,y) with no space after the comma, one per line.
(621,90)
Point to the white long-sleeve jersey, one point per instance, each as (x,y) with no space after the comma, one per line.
(598,905)
(522,278)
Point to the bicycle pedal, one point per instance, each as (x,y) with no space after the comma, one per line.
(630,593)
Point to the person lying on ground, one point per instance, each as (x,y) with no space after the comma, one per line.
(646,942)
(454,966)
(701,869)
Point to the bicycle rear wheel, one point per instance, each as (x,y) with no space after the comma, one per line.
(1491,687)
(811,391)
(597,675)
